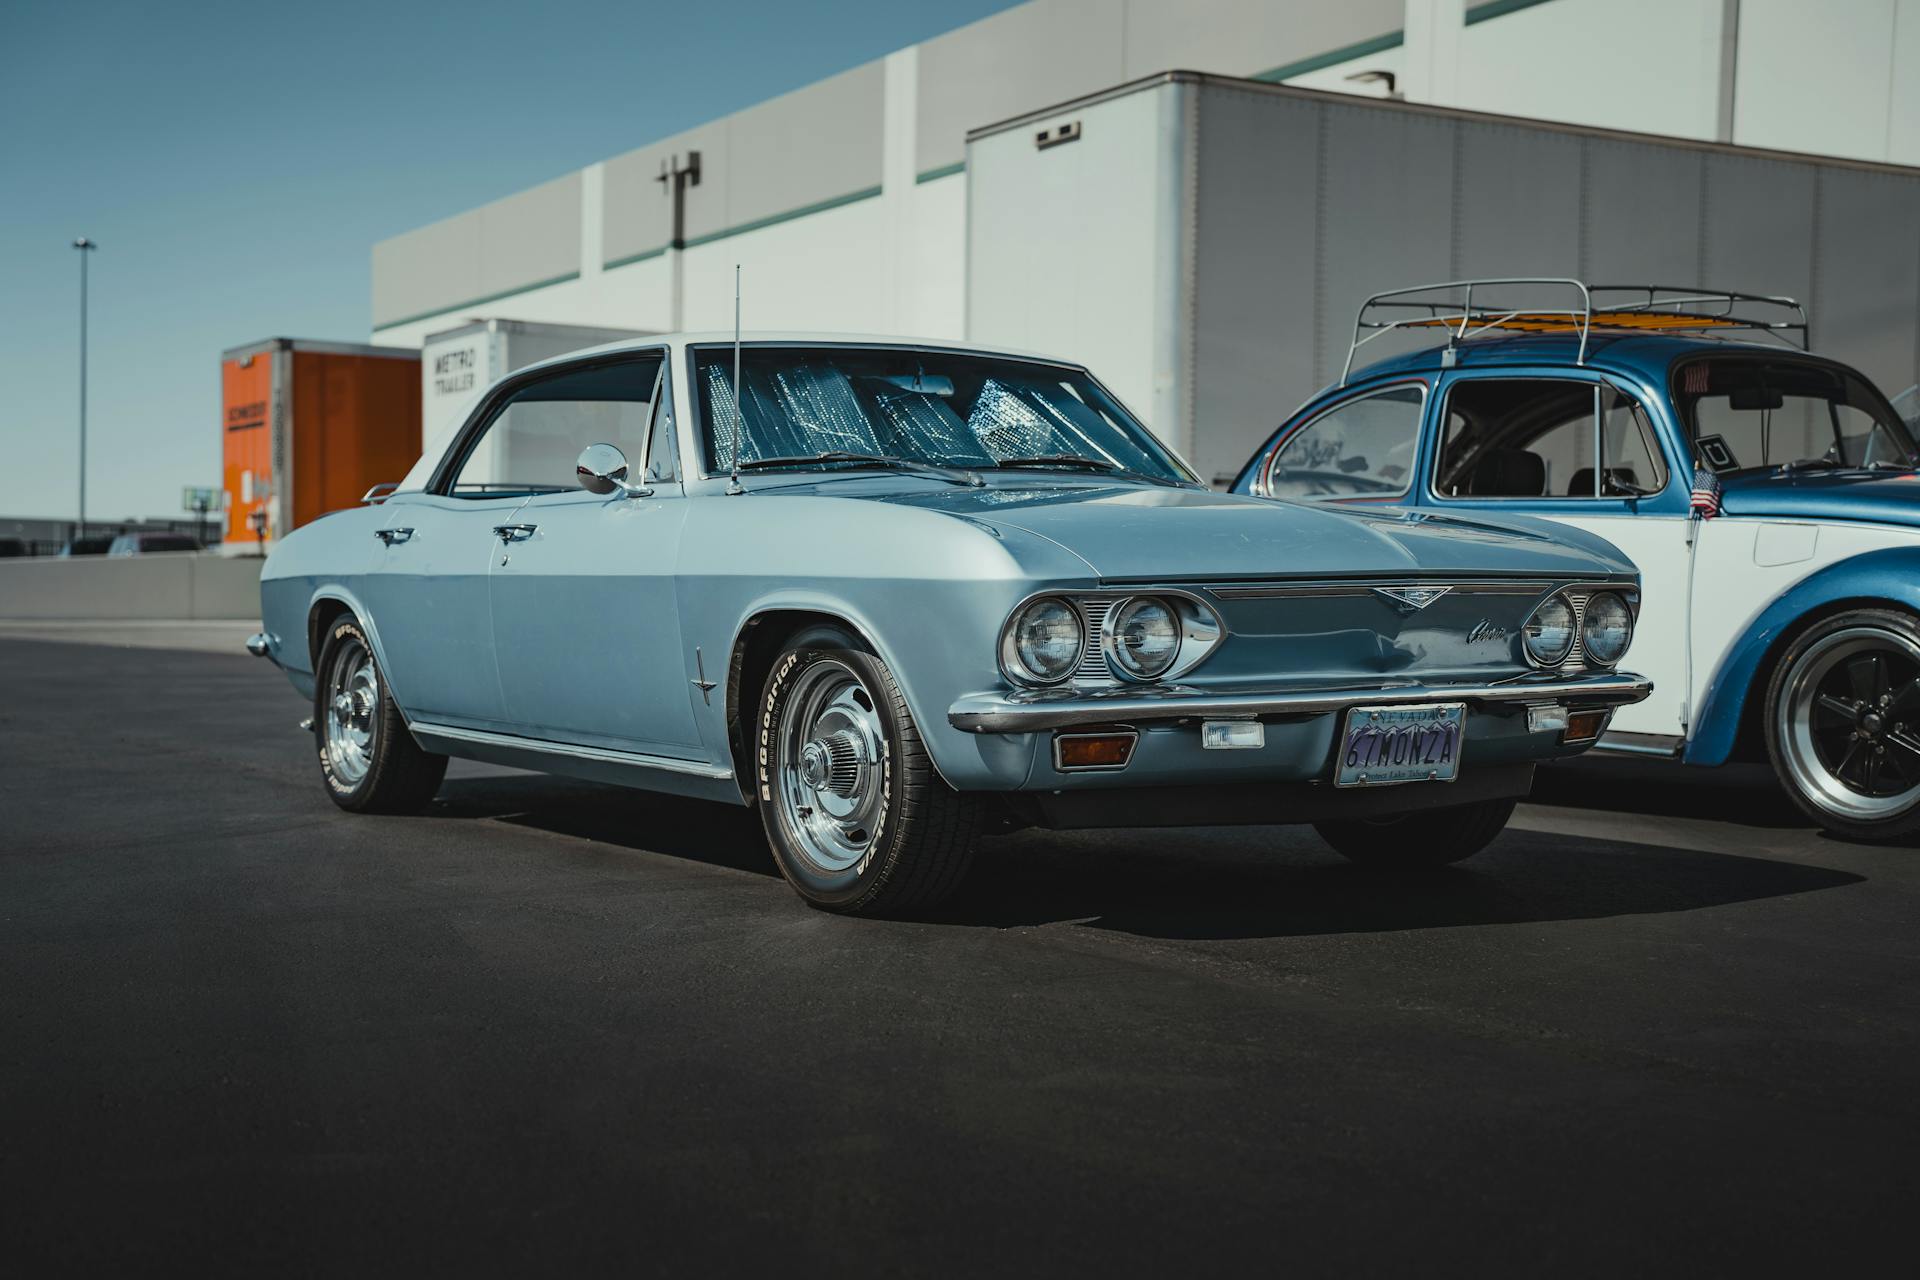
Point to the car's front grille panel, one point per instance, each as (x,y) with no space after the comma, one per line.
(1092,667)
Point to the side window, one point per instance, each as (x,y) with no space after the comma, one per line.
(1535,438)
(533,440)
(1362,448)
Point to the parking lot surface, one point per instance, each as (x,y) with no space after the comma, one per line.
(555,1027)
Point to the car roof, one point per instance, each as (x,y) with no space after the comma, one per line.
(800,338)
(1643,355)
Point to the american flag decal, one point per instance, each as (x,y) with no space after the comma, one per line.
(1706,493)
(1695,380)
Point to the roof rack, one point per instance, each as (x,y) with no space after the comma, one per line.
(1656,307)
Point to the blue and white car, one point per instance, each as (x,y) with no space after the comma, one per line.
(896,595)
(1768,496)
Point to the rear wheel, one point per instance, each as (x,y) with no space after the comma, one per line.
(1410,841)
(368,757)
(1843,723)
(858,819)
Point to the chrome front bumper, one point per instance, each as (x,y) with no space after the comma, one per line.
(1032,710)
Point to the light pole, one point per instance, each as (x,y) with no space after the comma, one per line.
(85,246)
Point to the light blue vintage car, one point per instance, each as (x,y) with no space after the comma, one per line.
(897,595)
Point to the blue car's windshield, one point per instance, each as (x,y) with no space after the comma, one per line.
(1745,412)
(825,406)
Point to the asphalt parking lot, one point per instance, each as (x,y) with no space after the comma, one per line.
(556,1027)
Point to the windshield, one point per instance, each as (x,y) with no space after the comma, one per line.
(1745,413)
(943,408)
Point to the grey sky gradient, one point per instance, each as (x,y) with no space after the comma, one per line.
(236,162)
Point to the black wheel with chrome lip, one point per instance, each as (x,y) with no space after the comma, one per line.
(1843,723)
(858,819)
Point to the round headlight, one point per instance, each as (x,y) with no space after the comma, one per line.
(1606,628)
(1143,638)
(1549,632)
(1042,642)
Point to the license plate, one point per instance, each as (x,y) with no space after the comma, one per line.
(1383,745)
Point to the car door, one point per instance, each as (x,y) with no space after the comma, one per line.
(586,626)
(426,597)
(1581,449)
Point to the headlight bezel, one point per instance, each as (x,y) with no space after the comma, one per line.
(1199,631)
(1015,667)
(1593,657)
(1112,648)
(1543,660)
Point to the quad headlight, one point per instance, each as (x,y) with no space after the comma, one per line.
(1606,628)
(1142,638)
(1548,634)
(1041,643)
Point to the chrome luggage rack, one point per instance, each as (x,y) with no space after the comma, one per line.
(1654,308)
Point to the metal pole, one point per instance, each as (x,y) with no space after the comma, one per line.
(85,246)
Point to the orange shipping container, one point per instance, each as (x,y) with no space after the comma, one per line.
(309,427)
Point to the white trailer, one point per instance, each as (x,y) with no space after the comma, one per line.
(1202,242)
(457,364)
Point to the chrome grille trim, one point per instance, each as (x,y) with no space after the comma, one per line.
(1092,667)
(1308,590)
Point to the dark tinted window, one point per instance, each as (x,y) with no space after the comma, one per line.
(1535,438)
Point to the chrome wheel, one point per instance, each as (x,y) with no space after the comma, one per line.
(831,767)
(353,700)
(1849,724)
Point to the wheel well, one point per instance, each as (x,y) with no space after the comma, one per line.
(319,619)
(1750,739)
(759,643)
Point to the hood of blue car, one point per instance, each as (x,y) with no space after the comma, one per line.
(1882,497)
(1138,532)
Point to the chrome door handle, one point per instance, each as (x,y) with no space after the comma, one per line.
(391,536)
(513,532)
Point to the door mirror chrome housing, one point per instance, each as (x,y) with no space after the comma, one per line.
(602,468)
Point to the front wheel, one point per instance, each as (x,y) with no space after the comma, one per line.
(368,757)
(1843,723)
(1412,841)
(858,819)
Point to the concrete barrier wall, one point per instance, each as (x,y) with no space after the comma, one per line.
(179,586)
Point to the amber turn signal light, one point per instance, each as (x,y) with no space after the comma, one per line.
(1584,726)
(1093,750)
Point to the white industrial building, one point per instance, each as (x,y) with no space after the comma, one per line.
(850,204)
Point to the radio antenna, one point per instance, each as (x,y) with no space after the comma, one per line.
(733,481)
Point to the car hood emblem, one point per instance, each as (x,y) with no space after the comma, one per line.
(1412,597)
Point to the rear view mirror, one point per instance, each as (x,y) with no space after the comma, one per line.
(1749,399)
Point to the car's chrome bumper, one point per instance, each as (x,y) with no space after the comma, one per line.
(1031,710)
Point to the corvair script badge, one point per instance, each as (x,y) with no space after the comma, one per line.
(1412,597)
(1486,630)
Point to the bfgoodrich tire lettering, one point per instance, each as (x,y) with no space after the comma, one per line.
(1412,841)
(858,820)
(369,760)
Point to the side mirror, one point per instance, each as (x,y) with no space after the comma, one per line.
(602,468)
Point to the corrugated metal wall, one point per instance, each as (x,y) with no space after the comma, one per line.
(1305,205)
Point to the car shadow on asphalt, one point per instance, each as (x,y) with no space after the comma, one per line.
(1192,883)
(1746,795)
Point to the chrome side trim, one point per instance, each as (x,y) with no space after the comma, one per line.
(1030,710)
(569,751)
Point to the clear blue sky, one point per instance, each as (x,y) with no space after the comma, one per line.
(237,162)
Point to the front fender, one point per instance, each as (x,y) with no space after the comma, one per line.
(1889,576)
